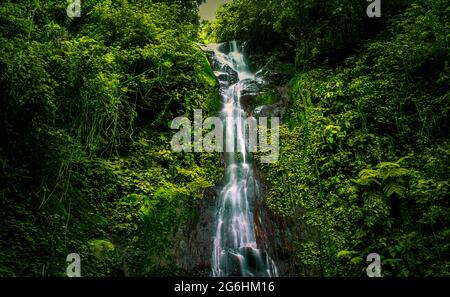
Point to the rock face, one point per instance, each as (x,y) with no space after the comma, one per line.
(277,109)
(222,67)
(274,235)
(226,78)
(276,73)
(274,110)
(195,239)
(249,92)
(281,236)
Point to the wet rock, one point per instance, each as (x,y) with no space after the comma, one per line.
(222,65)
(207,50)
(227,73)
(255,260)
(278,73)
(250,90)
(225,79)
(247,262)
(280,237)
(274,110)
(224,47)
(195,239)
(233,265)
(193,253)
(221,76)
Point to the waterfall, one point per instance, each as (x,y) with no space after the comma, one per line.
(236,251)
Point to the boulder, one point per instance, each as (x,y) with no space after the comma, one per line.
(274,110)
(250,89)
(278,73)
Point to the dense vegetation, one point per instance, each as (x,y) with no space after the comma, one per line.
(86,104)
(85,159)
(364,144)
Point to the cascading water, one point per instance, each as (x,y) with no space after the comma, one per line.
(235,250)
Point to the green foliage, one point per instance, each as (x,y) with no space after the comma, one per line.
(364,153)
(311,31)
(85,161)
(85,155)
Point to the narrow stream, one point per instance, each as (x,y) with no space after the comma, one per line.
(235,251)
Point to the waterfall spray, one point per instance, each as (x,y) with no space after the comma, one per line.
(236,252)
